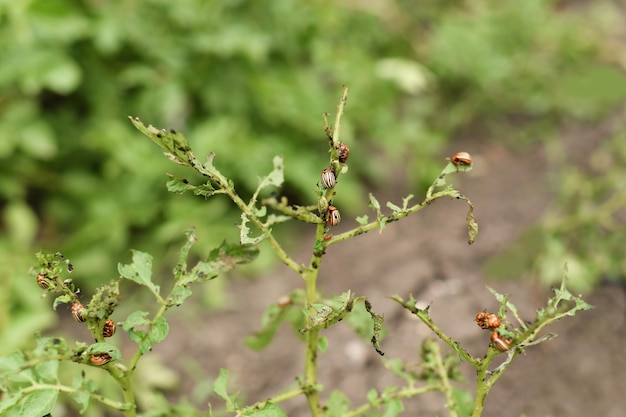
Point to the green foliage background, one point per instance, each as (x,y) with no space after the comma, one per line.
(249,80)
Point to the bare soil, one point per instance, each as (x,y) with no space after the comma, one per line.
(580,373)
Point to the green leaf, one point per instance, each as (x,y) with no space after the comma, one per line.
(135,319)
(226,257)
(48,371)
(393,408)
(140,271)
(379,215)
(180,186)
(108,348)
(268,409)
(221,259)
(362,220)
(406,200)
(338,404)
(325,316)
(464,401)
(62,299)
(393,207)
(83,389)
(274,178)
(175,144)
(372,395)
(178,295)
(39,403)
(9,402)
(244,232)
(322,344)
(159,330)
(220,387)
(272,319)
(11,363)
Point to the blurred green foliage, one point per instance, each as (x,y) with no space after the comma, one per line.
(249,80)
(584,226)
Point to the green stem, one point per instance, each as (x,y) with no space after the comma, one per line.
(63,388)
(123,378)
(407,392)
(340,107)
(385,219)
(310,385)
(138,353)
(445,381)
(484,382)
(423,315)
(276,247)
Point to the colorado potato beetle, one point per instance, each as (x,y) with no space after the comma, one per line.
(328,178)
(461,158)
(333,216)
(109,328)
(99,359)
(342,152)
(78,311)
(42,281)
(499,342)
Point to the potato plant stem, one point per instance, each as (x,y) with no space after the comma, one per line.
(96,397)
(310,385)
(407,392)
(386,219)
(276,247)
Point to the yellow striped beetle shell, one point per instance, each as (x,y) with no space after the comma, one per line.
(333,216)
(328,178)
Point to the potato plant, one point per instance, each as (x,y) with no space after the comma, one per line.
(31,382)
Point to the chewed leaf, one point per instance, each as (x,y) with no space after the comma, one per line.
(221,259)
(175,144)
(179,186)
(472,226)
(379,215)
(244,232)
(267,409)
(325,316)
(274,178)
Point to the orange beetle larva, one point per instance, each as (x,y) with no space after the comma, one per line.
(343,151)
(486,320)
(481,319)
(493,321)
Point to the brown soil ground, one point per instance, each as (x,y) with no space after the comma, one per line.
(580,373)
